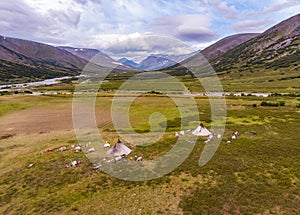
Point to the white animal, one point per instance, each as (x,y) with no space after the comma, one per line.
(182,133)
(228,142)
(219,136)
(73,163)
(91,150)
(62,149)
(98,167)
(139,159)
(118,158)
(176,134)
(106,145)
(77,149)
(233,137)
(236,133)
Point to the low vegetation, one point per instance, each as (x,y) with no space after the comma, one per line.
(256,174)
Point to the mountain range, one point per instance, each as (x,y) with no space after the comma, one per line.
(102,59)
(128,62)
(161,61)
(277,47)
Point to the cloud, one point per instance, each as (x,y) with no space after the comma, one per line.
(222,7)
(195,34)
(282,5)
(23,21)
(252,26)
(70,17)
(138,46)
(111,25)
(84,2)
(19,19)
(192,27)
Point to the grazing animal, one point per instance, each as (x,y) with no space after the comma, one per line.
(77,149)
(106,145)
(119,158)
(236,133)
(91,150)
(139,159)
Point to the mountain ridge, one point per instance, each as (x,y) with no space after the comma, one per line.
(128,62)
(277,47)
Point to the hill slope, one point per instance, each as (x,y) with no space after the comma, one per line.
(86,54)
(101,59)
(226,44)
(41,53)
(23,60)
(278,47)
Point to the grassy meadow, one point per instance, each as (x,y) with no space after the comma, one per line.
(258,173)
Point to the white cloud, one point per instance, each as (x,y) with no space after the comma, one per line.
(138,46)
(252,26)
(18,19)
(229,12)
(282,5)
(192,27)
(70,17)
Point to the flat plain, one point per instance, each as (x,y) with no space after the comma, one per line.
(256,174)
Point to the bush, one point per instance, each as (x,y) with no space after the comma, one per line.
(271,104)
(264,103)
(254,105)
(154,92)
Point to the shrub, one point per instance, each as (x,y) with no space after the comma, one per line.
(282,103)
(271,104)
(264,103)
(154,92)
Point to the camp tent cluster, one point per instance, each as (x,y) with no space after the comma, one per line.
(119,149)
(201,131)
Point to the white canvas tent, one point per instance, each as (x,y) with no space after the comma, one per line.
(119,149)
(201,131)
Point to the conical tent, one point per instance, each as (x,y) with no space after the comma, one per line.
(201,131)
(119,149)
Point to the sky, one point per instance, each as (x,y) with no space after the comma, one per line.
(137,28)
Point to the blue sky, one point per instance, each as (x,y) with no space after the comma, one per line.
(136,28)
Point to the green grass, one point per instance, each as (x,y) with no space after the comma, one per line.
(258,173)
(8,106)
